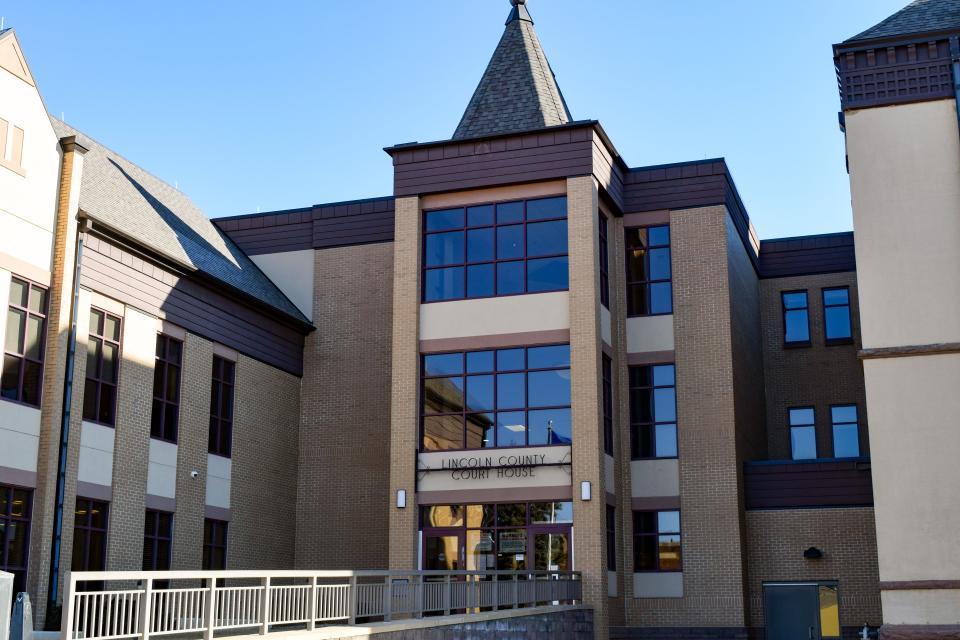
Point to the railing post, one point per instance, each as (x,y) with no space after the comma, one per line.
(418,586)
(353,599)
(210,610)
(146,610)
(495,579)
(312,622)
(516,590)
(265,607)
(388,599)
(67,632)
(447,595)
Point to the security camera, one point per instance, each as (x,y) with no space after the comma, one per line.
(194,474)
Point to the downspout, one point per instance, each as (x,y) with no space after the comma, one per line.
(955,58)
(54,583)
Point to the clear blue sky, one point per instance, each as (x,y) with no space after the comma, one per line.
(249,105)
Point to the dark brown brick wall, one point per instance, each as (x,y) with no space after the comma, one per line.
(817,375)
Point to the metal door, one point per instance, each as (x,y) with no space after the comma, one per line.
(792,611)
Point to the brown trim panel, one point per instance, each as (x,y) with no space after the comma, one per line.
(819,483)
(920,632)
(919,585)
(940,349)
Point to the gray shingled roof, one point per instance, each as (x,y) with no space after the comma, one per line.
(122,196)
(917,17)
(518,90)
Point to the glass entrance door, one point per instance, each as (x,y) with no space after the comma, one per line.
(443,551)
(551,548)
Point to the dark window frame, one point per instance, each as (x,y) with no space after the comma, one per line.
(834,425)
(464,413)
(222,379)
(7,518)
(20,354)
(211,526)
(154,536)
(648,281)
(97,382)
(813,425)
(657,535)
(163,363)
(524,259)
(783,316)
(611,538)
(636,425)
(606,364)
(823,300)
(604,249)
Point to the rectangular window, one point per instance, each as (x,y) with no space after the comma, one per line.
(504,398)
(221,407)
(90,539)
(214,545)
(15,534)
(24,344)
(836,315)
(166,389)
(157,540)
(495,250)
(796,318)
(103,364)
(611,538)
(656,541)
(607,404)
(604,264)
(803,435)
(846,431)
(653,412)
(649,287)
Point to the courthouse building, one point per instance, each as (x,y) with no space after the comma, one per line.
(531,355)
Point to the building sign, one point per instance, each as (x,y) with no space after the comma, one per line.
(494,468)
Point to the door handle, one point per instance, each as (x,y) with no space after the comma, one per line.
(810,633)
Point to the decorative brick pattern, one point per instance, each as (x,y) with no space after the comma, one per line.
(817,375)
(404,412)
(344,446)
(777,539)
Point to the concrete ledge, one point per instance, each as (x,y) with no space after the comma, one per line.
(361,631)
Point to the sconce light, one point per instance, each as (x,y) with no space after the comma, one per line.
(401,498)
(813,554)
(585,491)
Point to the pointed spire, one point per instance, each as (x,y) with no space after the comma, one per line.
(518,90)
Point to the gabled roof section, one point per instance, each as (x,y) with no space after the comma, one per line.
(11,57)
(920,16)
(518,90)
(143,209)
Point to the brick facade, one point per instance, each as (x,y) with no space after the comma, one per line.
(344,446)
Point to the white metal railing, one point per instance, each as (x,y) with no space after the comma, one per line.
(143,604)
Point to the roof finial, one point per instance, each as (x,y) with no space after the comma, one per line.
(519,12)
(516,2)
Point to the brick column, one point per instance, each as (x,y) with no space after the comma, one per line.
(589,518)
(131,448)
(403,409)
(192,453)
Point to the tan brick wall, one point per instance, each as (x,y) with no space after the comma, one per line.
(263,478)
(343,489)
(815,376)
(404,381)
(711,520)
(192,441)
(777,539)
(589,518)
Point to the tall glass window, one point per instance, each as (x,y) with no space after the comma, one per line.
(495,250)
(166,389)
(796,318)
(611,538)
(653,412)
(649,275)
(90,539)
(846,431)
(656,541)
(24,343)
(157,540)
(214,545)
(836,315)
(221,407)
(604,264)
(15,534)
(503,398)
(803,435)
(607,372)
(103,366)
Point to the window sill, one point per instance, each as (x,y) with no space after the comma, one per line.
(20,403)
(649,315)
(655,458)
(173,442)
(504,295)
(97,422)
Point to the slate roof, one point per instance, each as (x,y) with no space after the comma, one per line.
(919,16)
(518,91)
(128,200)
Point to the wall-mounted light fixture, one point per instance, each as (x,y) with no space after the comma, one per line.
(813,554)
(401,498)
(585,491)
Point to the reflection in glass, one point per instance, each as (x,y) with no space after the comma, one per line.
(547,238)
(511,429)
(509,278)
(550,426)
(829,612)
(549,388)
(547,274)
(443,249)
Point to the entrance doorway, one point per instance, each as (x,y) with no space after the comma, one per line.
(801,611)
(443,551)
